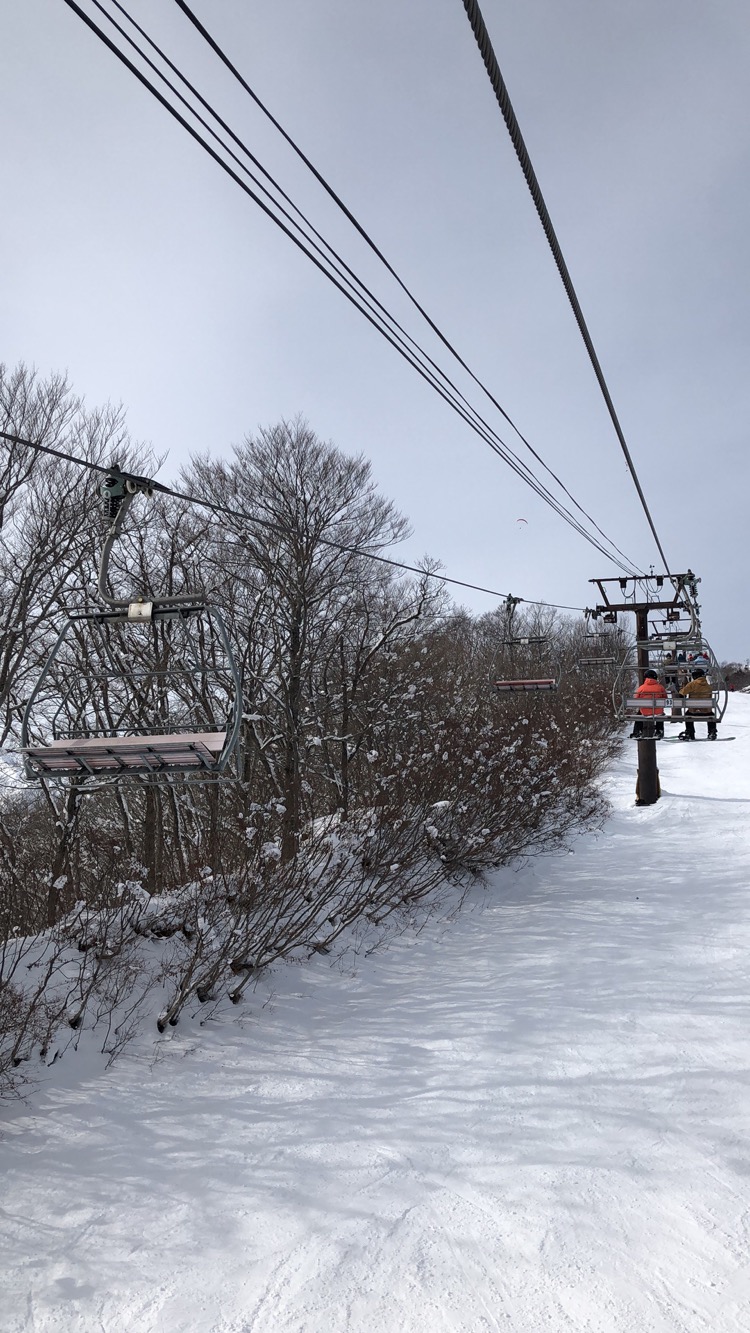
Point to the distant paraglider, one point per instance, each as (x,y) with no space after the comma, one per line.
(522,520)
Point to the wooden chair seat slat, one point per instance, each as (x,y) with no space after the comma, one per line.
(113,754)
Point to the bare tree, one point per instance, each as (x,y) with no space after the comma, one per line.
(313,512)
(379,764)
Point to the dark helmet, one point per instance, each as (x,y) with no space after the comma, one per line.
(650,675)
(698,673)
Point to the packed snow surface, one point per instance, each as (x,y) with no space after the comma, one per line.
(534,1117)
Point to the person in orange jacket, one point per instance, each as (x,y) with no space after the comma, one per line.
(650,690)
(697,688)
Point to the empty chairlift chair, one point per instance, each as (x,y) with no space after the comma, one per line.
(147,689)
(606,653)
(545,677)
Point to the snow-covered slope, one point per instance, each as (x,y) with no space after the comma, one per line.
(535,1118)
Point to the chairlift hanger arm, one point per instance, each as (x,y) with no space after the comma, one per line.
(118,490)
(276,528)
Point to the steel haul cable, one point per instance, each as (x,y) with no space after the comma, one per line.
(508,457)
(482,36)
(377,251)
(275,527)
(448,390)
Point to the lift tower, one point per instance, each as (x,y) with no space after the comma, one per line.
(675,595)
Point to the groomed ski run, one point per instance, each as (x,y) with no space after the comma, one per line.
(533,1117)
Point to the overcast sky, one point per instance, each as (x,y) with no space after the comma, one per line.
(130,260)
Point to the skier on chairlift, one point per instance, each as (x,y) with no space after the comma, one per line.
(671,672)
(650,690)
(698,688)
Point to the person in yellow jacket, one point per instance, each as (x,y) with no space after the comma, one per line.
(697,688)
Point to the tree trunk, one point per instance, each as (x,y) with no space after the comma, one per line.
(292,793)
(344,734)
(152,840)
(61,869)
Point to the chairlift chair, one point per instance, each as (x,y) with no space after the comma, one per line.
(159,672)
(675,707)
(591,663)
(595,662)
(603,640)
(530,685)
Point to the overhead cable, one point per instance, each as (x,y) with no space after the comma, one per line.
(482,36)
(277,528)
(341,281)
(429,368)
(206,35)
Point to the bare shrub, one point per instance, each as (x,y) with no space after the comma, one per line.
(378,763)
